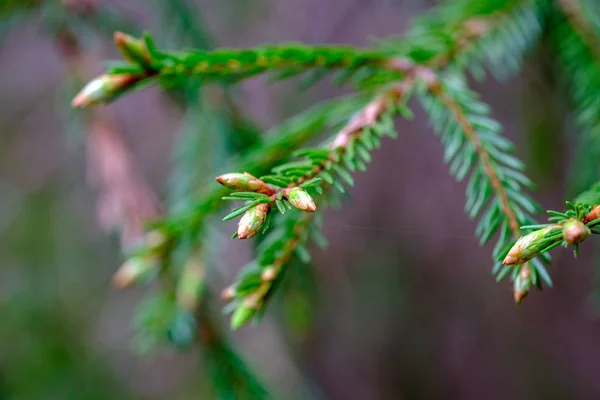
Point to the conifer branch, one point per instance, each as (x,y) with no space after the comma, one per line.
(473,142)
(429,60)
(255,283)
(571,227)
(145,65)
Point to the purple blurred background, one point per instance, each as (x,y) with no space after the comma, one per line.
(407,307)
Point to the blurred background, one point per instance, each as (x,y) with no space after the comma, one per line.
(402,304)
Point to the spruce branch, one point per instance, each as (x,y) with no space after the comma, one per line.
(146,65)
(473,143)
(430,59)
(288,188)
(570,227)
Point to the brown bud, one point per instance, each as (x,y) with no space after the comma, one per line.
(228,293)
(522,284)
(300,199)
(244,182)
(269,273)
(527,247)
(103,89)
(132,271)
(133,49)
(252,221)
(575,231)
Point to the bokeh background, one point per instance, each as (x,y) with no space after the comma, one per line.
(402,304)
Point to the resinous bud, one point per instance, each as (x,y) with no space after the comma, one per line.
(133,49)
(575,231)
(300,199)
(252,221)
(155,241)
(228,293)
(103,89)
(242,182)
(269,274)
(132,271)
(527,247)
(522,284)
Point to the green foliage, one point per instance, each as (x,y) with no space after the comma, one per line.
(282,180)
(460,36)
(474,145)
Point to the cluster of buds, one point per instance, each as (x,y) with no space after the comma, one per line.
(254,218)
(107,87)
(573,232)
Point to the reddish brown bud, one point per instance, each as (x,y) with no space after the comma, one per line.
(575,231)
(300,199)
(244,182)
(103,89)
(252,221)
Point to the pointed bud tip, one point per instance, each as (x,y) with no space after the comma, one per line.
(79,101)
(120,38)
(228,293)
(245,235)
(510,260)
(268,274)
(519,296)
(125,275)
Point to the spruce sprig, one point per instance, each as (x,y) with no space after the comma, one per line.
(287,188)
(431,59)
(145,64)
(474,145)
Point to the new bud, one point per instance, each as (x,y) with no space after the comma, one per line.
(133,49)
(242,182)
(190,285)
(575,231)
(269,274)
(522,284)
(252,221)
(132,271)
(527,247)
(103,89)
(300,199)
(241,316)
(228,293)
